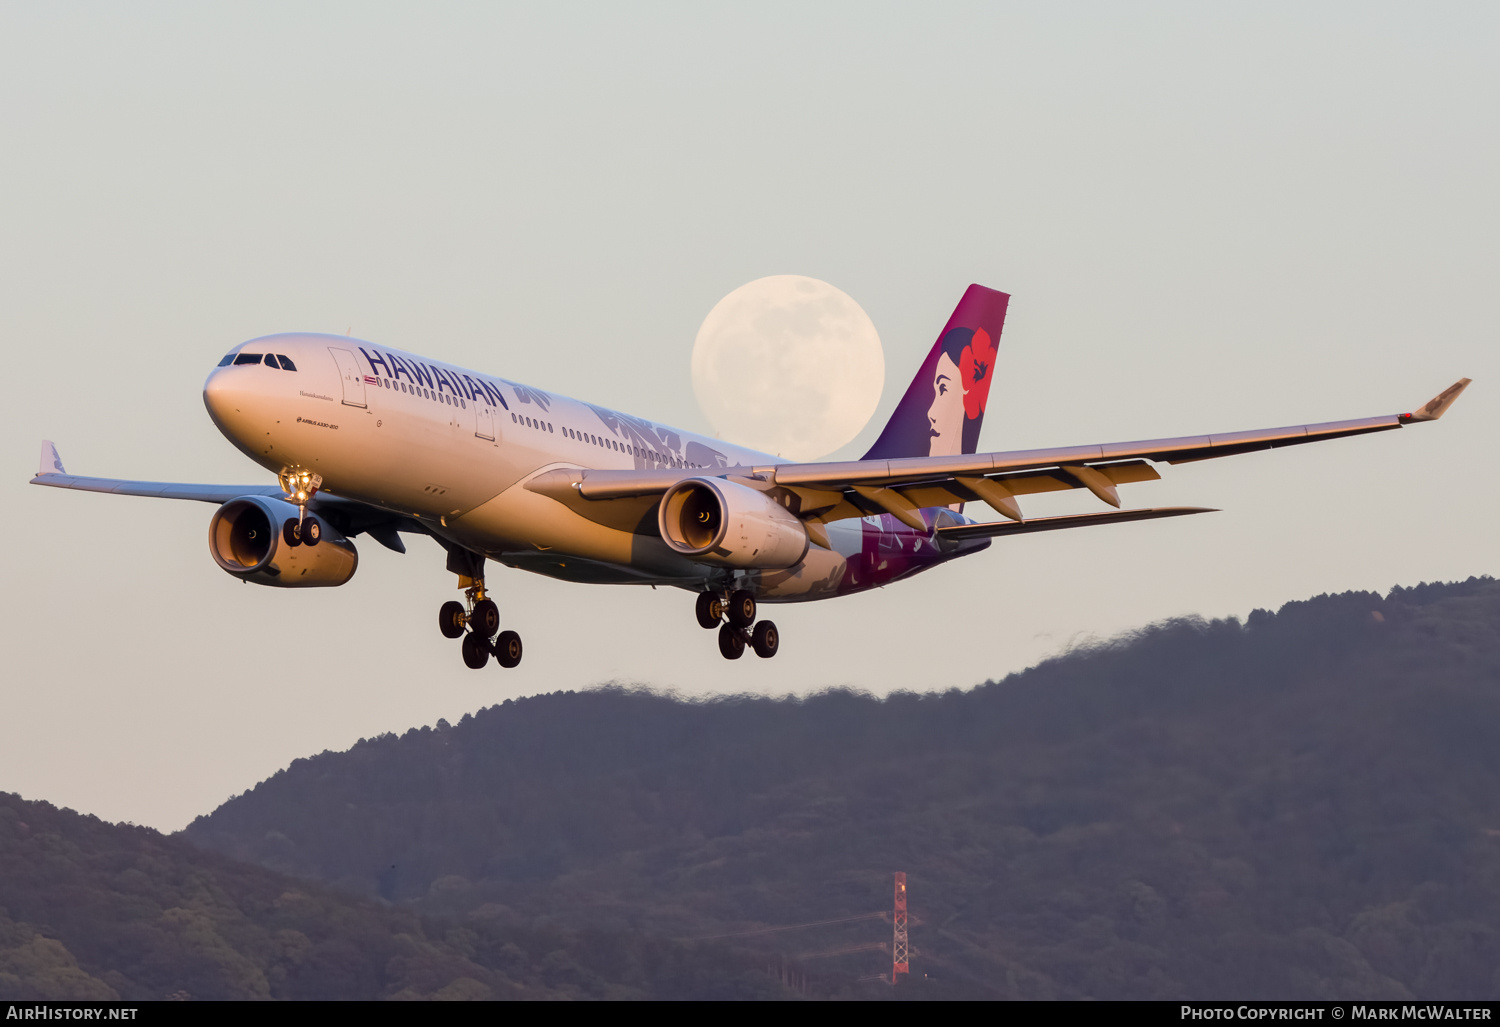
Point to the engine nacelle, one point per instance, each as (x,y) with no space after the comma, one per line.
(246,538)
(712,520)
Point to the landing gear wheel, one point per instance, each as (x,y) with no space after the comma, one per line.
(451,619)
(741,608)
(476,651)
(290,533)
(312,532)
(765,639)
(508,649)
(710,610)
(486,618)
(731,642)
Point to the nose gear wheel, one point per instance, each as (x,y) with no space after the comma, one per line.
(306,532)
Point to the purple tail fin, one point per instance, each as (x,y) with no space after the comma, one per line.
(943,407)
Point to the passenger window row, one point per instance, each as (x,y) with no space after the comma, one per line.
(255,358)
(618,447)
(416,390)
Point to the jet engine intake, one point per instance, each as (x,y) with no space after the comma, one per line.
(248,537)
(721,522)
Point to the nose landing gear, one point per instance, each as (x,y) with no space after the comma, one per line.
(300,487)
(739,607)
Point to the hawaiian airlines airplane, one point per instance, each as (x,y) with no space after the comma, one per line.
(373,441)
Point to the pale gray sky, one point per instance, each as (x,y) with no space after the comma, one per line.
(1211,217)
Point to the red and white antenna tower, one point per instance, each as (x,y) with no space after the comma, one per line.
(898,944)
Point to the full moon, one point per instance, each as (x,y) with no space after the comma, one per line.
(788,365)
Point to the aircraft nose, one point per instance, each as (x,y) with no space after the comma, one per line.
(227,396)
(218,395)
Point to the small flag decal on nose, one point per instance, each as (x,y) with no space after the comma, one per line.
(372,380)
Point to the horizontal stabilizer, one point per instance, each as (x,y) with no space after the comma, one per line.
(963,532)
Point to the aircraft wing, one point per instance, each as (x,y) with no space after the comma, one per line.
(858,488)
(351,517)
(51,473)
(964,532)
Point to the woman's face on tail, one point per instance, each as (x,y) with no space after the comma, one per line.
(945,418)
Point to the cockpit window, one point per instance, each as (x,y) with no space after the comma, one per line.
(286,362)
(247,358)
(228,359)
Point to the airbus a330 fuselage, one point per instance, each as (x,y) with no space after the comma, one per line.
(456,450)
(365,439)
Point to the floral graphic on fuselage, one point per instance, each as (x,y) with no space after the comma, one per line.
(526,394)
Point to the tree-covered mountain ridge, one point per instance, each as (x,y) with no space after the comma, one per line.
(1302,804)
(97,911)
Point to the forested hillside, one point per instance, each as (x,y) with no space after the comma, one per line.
(1306,804)
(90,910)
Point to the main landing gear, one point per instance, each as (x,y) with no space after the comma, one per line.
(478,622)
(477,627)
(738,609)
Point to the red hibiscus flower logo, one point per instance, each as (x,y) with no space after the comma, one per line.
(975,365)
